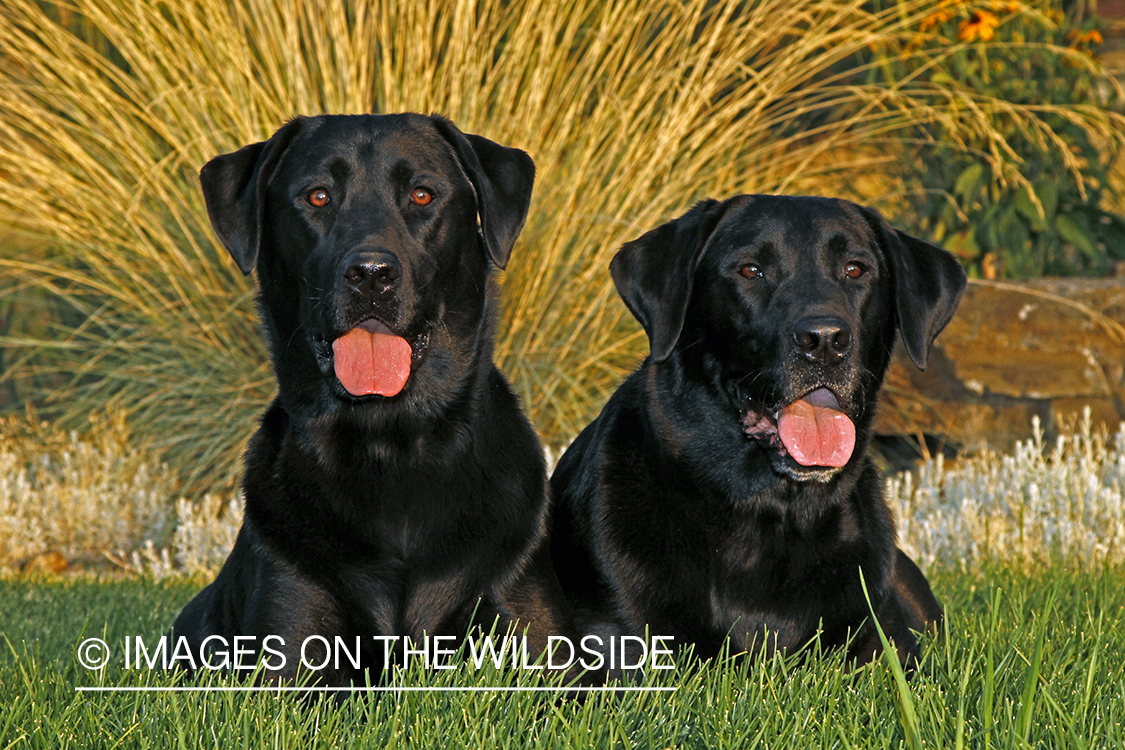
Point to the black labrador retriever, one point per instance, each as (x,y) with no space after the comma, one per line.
(724,490)
(395,487)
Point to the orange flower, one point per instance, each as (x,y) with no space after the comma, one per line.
(980,25)
(1082,38)
(934,20)
(1006,6)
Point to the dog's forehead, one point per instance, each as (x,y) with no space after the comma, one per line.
(388,141)
(794,222)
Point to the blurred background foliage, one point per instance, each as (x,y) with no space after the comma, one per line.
(1034,202)
(117,295)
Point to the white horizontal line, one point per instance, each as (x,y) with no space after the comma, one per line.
(314,689)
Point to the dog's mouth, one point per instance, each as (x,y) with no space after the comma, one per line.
(812,430)
(373,360)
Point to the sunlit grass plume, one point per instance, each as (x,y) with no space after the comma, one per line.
(632,110)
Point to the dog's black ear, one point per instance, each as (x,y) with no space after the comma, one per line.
(502,178)
(234,187)
(654,273)
(928,283)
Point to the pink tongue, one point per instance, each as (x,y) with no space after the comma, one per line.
(815,432)
(371,363)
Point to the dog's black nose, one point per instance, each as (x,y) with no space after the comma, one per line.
(372,273)
(823,339)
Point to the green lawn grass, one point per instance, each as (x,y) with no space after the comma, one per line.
(1027,660)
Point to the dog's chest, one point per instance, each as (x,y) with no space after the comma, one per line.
(772,572)
(407,598)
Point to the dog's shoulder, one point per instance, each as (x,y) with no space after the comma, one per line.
(611,438)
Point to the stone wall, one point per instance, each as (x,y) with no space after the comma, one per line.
(1043,348)
(1111,13)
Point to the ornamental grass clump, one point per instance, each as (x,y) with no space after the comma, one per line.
(631,109)
(1043,503)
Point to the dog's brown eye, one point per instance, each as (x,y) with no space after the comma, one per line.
(751,271)
(853,270)
(421,197)
(318,198)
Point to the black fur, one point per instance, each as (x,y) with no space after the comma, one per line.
(670,515)
(421,513)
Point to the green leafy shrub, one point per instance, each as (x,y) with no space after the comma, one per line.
(1031,203)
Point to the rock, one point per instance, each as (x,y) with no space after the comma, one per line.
(48,562)
(1015,350)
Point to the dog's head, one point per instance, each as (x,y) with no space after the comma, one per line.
(373,237)
(786,308)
